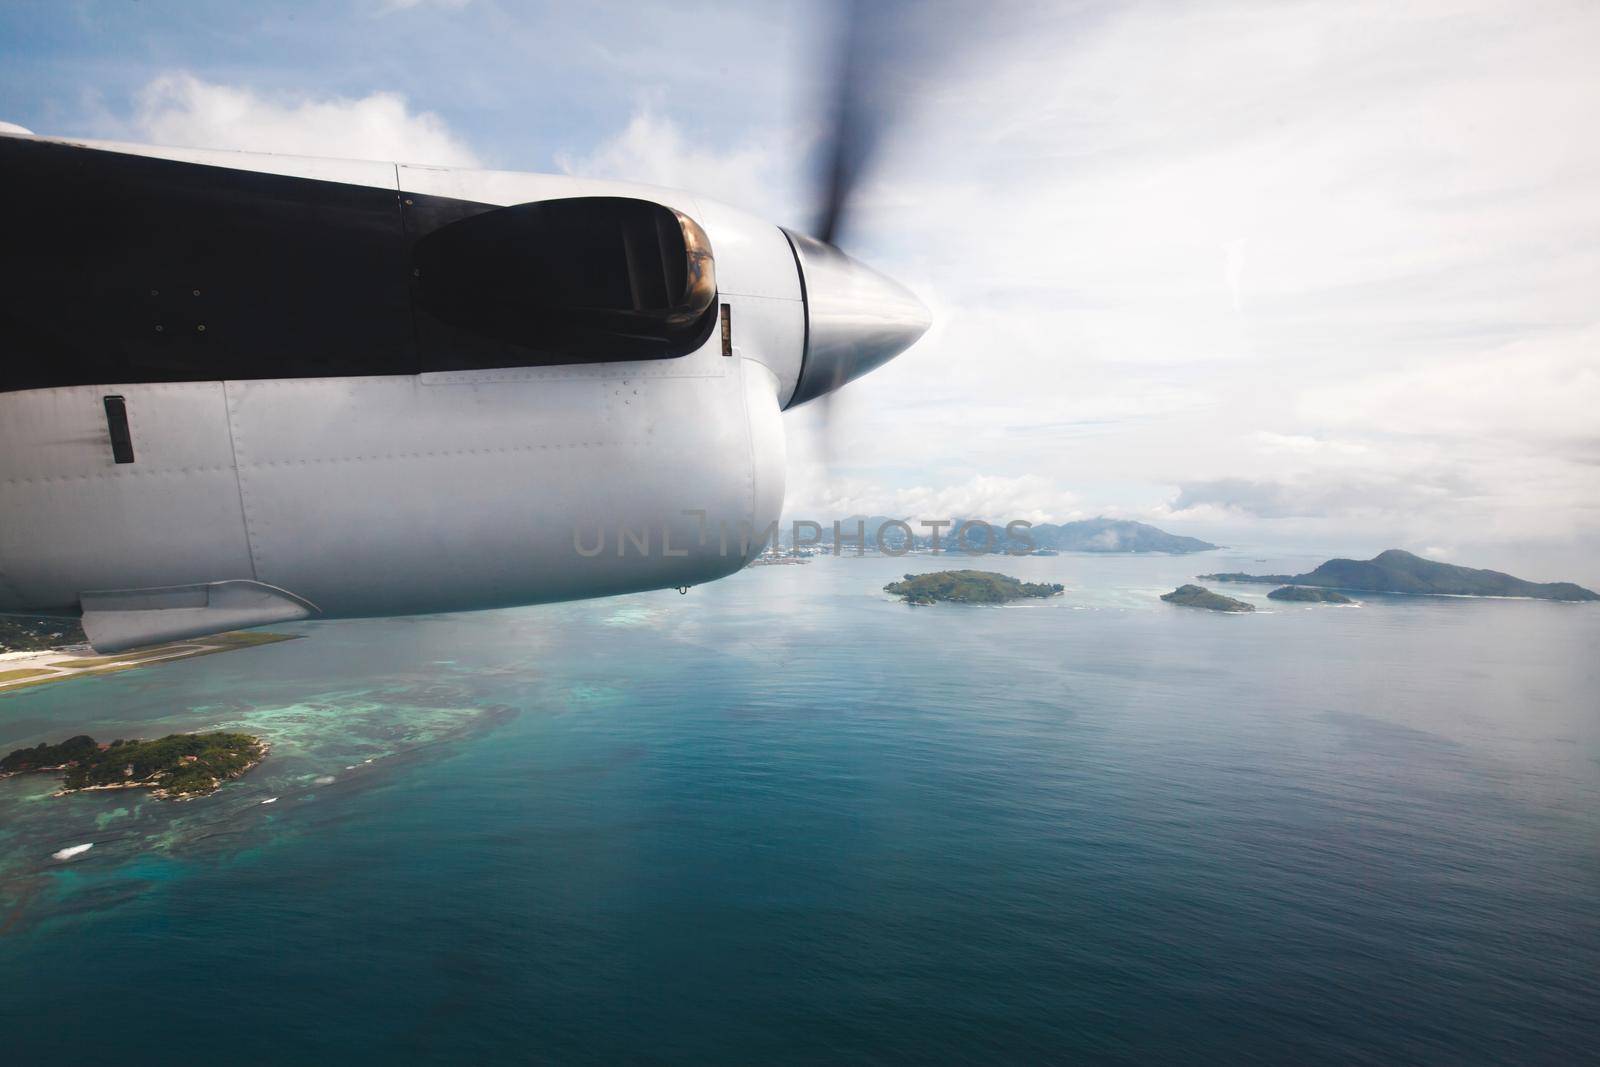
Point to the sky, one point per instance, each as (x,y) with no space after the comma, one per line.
(1307,275)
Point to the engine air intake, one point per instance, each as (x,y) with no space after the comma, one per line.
(593,278)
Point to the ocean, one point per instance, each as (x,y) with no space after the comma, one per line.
(785,818)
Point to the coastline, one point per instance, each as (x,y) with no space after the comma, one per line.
(23,670)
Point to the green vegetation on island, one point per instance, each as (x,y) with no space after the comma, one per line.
(1196,596)
(1397,571)
(38,633)
(968,587)
(177,766)
(44,757)
(1308,595)
(1240,576)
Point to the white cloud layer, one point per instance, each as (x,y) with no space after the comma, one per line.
(757,174)
(180,109)
(1029,497)
(389,7)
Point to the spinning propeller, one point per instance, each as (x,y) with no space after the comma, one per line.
(876,318)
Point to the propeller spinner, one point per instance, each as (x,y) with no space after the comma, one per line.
(856,318)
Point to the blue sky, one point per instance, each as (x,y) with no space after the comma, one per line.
(1317,273)
(521,83)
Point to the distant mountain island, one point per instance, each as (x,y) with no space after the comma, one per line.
(1198,596)
(968,587)
(1114,535)
(1398,571)
(1083,535)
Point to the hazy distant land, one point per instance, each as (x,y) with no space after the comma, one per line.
(1114,535)
(1083,535)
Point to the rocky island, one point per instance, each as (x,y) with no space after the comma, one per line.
(1307,595)
(175,767)
(1398,571)
(968,587)
(1196,596)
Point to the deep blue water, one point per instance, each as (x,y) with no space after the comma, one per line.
(784,818)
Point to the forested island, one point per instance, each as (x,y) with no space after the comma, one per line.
(1398,571)
(1308,595)
(968,587)
(176,767)
(1197,596)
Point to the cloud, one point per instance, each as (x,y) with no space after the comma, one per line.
(181,109)
(756,174)
(1311,497)
(1028,497)
(1538,392)
(388,7)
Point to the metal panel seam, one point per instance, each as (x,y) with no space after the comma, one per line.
(750,443)
(238,481)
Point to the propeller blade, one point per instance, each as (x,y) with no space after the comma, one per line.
(825,432)
(855,111)
(884,52)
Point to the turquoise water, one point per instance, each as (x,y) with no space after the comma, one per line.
(786,818)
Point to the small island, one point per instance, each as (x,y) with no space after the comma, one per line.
(1195,596)
(1307,595)
(175,767)
(968,587)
